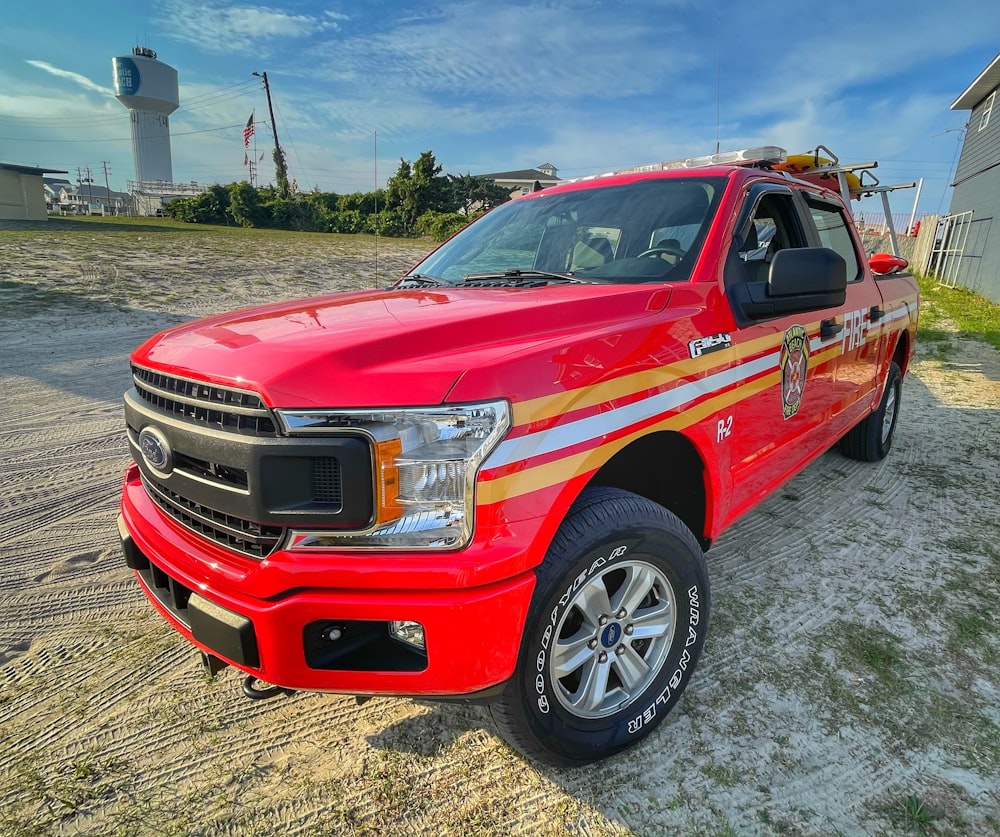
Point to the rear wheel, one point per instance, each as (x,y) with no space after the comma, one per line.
(871,440)
(613,634)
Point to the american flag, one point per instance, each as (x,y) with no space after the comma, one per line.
(248,131)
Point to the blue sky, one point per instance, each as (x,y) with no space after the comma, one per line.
(586,85)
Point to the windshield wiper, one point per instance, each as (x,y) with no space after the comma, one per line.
(420,280)
(521,278)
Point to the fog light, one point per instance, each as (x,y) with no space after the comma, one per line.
(411,633)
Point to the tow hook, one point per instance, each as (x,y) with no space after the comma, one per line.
(252,692)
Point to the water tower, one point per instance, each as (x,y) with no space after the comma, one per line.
(148,88)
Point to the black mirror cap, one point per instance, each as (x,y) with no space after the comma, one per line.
(807,270)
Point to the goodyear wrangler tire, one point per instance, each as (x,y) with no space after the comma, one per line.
(871,439)
(614,631)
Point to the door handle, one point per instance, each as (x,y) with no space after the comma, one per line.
(829,328)
(875,314)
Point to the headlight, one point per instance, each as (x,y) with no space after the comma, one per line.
(425,462)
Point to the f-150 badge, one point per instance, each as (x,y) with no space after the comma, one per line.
(711,343)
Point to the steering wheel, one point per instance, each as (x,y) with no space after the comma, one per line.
(661,251)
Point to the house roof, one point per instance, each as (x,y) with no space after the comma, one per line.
(985,82)
(527,175)
(91,191)
(29,169)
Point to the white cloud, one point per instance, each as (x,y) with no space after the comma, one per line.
(533,53)
(223,29)
(81,80)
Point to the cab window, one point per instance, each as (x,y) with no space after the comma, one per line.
(772,227)
(834,233)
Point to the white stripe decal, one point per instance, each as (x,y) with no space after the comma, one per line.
(602,424)
(899,313)
(594,427)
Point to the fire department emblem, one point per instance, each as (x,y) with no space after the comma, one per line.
(794,362)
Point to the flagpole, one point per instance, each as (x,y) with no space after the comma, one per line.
(248,132)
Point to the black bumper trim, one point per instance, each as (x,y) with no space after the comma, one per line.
(224,632)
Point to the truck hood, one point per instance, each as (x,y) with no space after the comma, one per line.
(385,347)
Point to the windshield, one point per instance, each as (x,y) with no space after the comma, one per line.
(647,231)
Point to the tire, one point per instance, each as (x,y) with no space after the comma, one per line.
(871,439)
(613,633)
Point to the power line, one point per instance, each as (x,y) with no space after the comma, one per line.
(116,139)
(206,100)
(246,85)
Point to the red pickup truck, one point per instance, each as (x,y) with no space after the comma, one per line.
(495,480)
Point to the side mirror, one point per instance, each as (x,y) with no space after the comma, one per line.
(807,271)
(885,263)
(799,279)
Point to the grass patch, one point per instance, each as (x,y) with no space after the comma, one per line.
(974,315)
(914,815)
(97,225)
(879,653)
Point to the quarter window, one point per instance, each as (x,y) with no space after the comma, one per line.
(835,234)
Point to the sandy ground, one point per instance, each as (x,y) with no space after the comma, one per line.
(850,684)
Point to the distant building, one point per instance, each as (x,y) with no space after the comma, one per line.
(67,198)
(51,187)
(522,181)
(972,235)
(22,195)
(151,196)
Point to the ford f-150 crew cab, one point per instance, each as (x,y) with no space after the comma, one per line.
(494,480)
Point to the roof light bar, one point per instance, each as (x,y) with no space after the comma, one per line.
(761,155)
(768,154)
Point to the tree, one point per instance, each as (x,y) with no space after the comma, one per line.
(416,188)
(210,207)
(281,172)
(475,193)
(245,205)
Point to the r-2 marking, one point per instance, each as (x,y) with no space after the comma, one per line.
(723,429)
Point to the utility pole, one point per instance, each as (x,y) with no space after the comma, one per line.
(107,188)
(90,190)
(280,167)
(80,180)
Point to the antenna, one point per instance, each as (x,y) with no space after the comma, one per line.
(718,80)
(375,161)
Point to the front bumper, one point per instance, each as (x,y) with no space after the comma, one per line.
(319,621)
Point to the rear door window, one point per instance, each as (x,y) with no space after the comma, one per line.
(834,232)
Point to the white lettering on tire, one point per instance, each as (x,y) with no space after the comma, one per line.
(694,618)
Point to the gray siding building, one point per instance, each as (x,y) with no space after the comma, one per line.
(977,185)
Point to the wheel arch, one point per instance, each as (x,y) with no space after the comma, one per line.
(901,352)
(666,468)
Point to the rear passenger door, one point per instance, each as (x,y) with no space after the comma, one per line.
(859,332)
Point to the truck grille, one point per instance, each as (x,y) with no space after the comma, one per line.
(210,405)
(235,533)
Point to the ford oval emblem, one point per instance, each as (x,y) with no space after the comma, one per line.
(155,450)
(611,634)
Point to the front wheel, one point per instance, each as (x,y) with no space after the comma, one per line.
(614,631)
